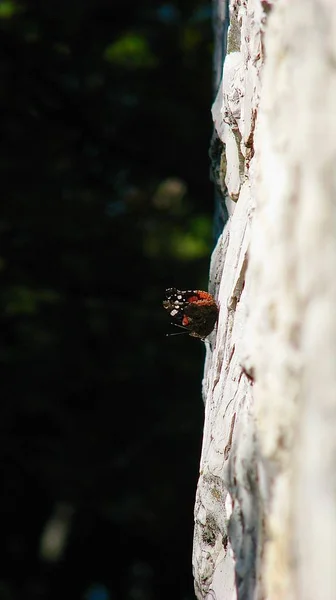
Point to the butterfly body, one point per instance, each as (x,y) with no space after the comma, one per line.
(194,310)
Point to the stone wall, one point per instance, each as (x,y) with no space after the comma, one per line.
(265,513)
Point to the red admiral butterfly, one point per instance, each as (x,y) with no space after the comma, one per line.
(193,310)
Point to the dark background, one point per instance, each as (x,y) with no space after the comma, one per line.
(105,202)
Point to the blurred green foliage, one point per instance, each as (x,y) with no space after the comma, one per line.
(131,51)
(9,8)
(106,201)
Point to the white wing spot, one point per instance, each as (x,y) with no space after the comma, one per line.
(173,312)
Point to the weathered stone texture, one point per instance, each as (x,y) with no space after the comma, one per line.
(265,513)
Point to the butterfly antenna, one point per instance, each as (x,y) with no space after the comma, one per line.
(180,332)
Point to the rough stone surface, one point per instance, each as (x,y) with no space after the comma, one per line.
(265,511)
